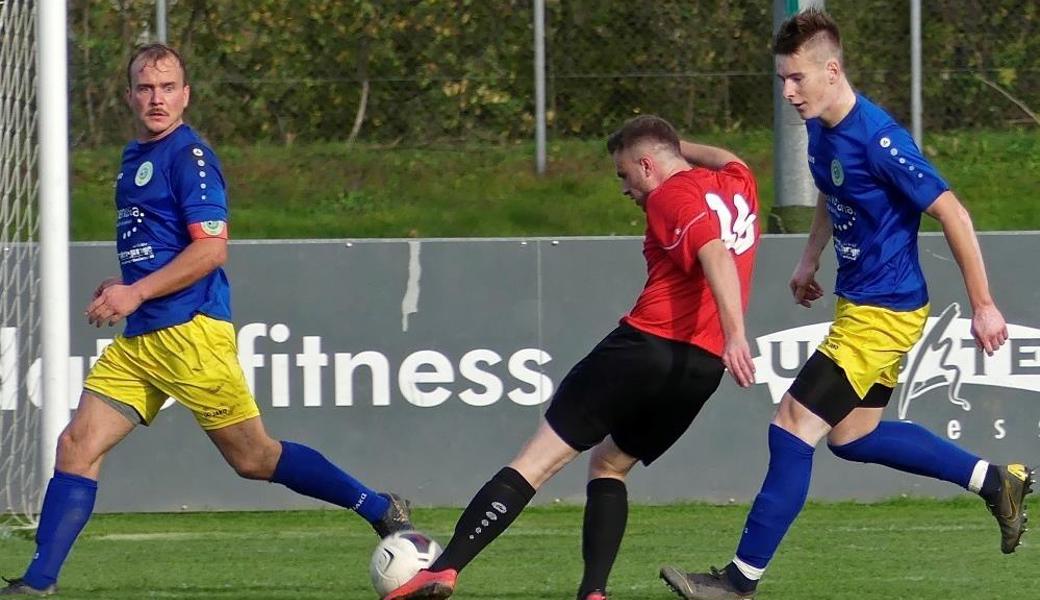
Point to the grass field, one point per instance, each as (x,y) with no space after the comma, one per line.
(919,549)
(335,191)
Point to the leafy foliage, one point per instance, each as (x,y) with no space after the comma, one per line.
(436,72)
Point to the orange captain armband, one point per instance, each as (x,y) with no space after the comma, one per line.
(208,229)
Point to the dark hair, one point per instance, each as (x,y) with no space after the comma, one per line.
(153,53)
(643,128)
(804,27)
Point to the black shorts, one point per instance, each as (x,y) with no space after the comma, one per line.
(823,388)
(641,389)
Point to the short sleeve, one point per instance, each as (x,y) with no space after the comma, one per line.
(738,170)
(894,158)
(198,186)
(678,217)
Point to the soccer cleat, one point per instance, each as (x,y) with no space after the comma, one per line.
(1010,510)
(702,586)
(18,587)
(426,585)
(397,517)
(595,595)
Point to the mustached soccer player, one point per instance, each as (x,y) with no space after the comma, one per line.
(171,220)
(874,184)
(639,389)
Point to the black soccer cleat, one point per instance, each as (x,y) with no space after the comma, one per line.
(18,587)
(702,586)
(1016,483)
(397,516)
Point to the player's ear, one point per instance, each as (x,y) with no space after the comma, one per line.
(833,70)
(187,95)
(646,165)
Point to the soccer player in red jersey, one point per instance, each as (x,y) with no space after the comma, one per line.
(639,389)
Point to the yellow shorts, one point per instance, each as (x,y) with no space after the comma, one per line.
(868,342)
(195,363)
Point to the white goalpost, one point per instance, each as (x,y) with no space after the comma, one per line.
(34,268)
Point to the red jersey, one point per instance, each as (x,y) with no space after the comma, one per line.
(685,212)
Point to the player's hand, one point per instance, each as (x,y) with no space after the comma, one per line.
(803,284)
(736,355)
(989,329)
(105,284)
(112,304)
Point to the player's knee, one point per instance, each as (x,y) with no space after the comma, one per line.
(254,464)
(601,467)
(73,453)
(251,468)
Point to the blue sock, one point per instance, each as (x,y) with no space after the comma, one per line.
(67,506)
(778,503)
(911,448)
(305,471)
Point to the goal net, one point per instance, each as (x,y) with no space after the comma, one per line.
(20,481)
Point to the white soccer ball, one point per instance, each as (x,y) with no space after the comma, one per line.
(398,557)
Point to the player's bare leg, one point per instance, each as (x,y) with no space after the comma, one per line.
(490,512)
(859,424)
(543,456)
(247,447)
(254,454)
(606,514)
(94,430)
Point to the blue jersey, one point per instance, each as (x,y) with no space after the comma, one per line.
(163,187)
(877,184)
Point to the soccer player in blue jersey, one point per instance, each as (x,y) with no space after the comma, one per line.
(874,184)
(172,231)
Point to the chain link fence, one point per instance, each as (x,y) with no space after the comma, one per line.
(449,73)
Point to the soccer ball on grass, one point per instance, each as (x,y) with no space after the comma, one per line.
(398,557)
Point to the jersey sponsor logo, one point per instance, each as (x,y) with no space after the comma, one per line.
(945,361)
(843,216)
(837,173)
(847,251)
(136,254)
(144,173)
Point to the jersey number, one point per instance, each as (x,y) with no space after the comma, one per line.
(737,234)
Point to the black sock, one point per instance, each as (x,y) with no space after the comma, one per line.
(738,580)
(992,485)
(489,513)
(606,514)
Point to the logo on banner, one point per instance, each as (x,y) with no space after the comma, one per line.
(944,359)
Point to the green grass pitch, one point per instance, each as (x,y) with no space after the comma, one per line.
(920,549)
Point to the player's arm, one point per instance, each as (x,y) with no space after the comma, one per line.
(709,157)
(197,260)
(803,281)
(721,272)
(987,323)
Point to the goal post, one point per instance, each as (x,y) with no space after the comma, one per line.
(54,225)
(34,271)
